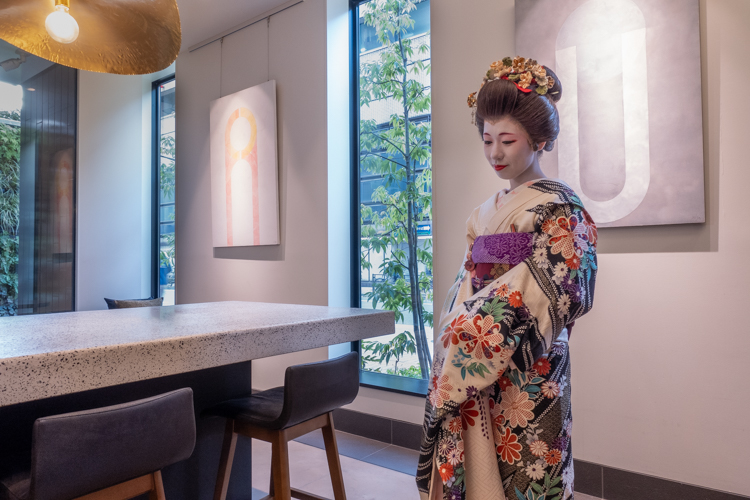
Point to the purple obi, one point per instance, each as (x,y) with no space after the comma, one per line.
(504,248)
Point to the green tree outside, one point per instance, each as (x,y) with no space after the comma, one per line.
(167,187)
(401,154)
(10,150)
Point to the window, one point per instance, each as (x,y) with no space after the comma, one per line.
(164,190)
(393,188)
(38,118)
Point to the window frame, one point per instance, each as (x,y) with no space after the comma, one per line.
(380,381)
(155,181)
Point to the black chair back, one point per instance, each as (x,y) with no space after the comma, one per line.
(313,389)
(78,453)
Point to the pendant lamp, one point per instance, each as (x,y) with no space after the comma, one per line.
(124,37)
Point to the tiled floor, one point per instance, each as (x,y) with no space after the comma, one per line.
(372,470)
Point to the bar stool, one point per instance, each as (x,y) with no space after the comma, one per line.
(310,394)
(111,453)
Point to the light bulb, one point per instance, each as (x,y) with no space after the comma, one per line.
(61,26)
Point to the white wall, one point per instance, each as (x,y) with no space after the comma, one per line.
(659,365)
(292,51)
(114,187)
(110,206)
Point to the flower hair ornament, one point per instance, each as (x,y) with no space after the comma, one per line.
(526,74)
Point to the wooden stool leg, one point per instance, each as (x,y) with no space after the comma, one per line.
(158,492)
(225,464)
(270,486)
(334,464)
(280,467)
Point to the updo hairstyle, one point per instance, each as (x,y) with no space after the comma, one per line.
(536,113)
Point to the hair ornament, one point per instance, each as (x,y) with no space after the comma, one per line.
(526,74)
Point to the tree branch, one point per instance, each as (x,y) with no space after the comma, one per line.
(369,153)
(388,141)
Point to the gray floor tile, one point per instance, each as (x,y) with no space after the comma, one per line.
(351,446)
(580,496)
(395,458)
(257,494)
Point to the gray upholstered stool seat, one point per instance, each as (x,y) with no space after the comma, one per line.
(262,409)
(128,303)
(16,486)
(112,452)
(306,402)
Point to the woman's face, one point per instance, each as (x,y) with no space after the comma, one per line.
(508,150)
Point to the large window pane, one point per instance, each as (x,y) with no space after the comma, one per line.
(395,182)
(165,248)
(38,105)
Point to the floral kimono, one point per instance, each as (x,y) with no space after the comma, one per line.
(498,418)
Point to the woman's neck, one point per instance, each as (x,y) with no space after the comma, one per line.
(534,172)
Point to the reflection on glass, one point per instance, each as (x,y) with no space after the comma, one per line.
(38,104)
(395,185)
(166,134)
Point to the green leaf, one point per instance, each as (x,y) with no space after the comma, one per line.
(520,495)
(537,487)
(554,491)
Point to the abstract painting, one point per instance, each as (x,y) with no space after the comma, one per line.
(631,127)
(244,168)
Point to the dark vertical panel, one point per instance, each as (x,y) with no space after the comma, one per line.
(48,131)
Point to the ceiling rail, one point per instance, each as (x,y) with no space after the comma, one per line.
(249,22)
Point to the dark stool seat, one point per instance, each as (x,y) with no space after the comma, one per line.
(115,452)
(262,409)
(128,303)
(16,486)
(306,402)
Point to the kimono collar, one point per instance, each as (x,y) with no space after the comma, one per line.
(500,206)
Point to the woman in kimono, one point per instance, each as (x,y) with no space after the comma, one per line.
(498,418)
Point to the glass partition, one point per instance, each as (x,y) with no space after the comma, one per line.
(38,121)
(164,144)
(394,189)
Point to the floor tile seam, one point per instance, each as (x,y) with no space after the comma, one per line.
(364,459)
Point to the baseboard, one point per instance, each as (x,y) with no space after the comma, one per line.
(590,478)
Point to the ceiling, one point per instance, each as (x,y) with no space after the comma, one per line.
(200,19)
(203,19)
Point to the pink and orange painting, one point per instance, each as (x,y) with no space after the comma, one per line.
(244,168)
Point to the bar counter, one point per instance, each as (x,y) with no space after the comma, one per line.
(56,363)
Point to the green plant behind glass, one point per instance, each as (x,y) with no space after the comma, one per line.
(380,352)
(10,149)
(396,152)
(167,187)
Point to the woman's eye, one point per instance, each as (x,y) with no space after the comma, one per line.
(508,142)
(487,143)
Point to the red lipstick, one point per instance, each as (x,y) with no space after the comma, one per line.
(499,167)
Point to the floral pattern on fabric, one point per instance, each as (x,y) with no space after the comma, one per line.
(508,248)
(502,343)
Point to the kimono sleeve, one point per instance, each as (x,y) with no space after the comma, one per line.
(519,315)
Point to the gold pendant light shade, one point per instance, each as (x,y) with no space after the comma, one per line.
(124,37)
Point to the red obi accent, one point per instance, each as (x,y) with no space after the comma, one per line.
(525,91)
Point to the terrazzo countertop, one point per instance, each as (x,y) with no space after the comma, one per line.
(55,354)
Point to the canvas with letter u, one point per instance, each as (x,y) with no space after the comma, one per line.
(244,168)
(631,123)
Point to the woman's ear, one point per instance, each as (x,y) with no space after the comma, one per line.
(540,146)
